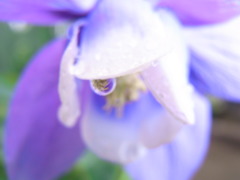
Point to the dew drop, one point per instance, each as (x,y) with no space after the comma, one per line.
(155,63)
(103,87)
(130,152)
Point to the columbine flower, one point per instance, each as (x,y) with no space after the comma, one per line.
(130,51)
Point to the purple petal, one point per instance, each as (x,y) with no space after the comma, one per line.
(37,146)
(196,12)
(43,12)
(216,59)
(180,159)
(123,138)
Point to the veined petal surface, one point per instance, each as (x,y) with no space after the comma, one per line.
(167,79)
(121,37)
(180,159)
(215,59)
(198,12)
(36,145)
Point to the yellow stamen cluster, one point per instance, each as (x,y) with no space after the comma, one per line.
(128,89)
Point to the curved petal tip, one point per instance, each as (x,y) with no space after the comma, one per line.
(129,35)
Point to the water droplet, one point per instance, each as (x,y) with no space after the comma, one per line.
(103,87)
(155,63)
(131,151)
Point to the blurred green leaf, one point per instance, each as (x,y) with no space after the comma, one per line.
(90,167)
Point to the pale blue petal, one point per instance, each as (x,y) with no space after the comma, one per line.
(123,138)
(215,60)
(199,12)
(180,159)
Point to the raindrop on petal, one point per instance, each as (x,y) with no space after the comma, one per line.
(130,152)
(103,87)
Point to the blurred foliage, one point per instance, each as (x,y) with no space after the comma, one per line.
(17,46)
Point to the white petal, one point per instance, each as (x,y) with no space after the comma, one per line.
(168,79)
(183,156)
(70,107)
(121,37)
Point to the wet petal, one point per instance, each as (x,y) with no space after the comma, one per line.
(168,78)
(125,137)
(197,12)
(44,12)
(36,145)
(129,36)
(70,107)
(216,59)
(180,159)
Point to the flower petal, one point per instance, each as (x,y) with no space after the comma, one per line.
(216,59)
(180,159)
(197,12)
(168,78)
(129,36)
(123,138)
(44,12)
(36,145)
(70,107)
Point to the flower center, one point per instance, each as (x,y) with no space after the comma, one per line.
(128,89)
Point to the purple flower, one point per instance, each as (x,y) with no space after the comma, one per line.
(156,120)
